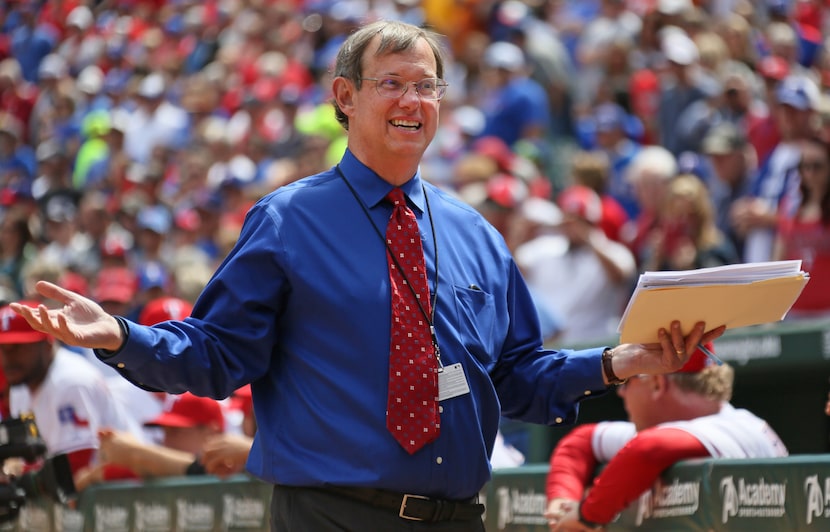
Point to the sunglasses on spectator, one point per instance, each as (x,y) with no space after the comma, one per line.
(812,166)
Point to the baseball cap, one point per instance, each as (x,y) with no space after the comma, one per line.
(698,361)
(60,208)
(470,120)
(798,91)
(674,7)
(164,309)
(81,17)
(53,66)
(778,7)
(155,218)
(722,139)
(679,48)
(14,329)
(91,80)
(541,211)
(152,86)
(188,410)
(496,149)
(609,117)
(506,190)
(773,67)
(581,201)
(504,55)
(152,274)
(116,283)
(47,149)
(115,245)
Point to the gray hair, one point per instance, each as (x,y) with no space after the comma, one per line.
(395,37)
(655,160)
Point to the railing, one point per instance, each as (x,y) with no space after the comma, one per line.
(770,495)
(780,494)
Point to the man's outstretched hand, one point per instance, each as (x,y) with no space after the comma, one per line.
(78,321)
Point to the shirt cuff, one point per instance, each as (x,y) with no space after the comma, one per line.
(104,354)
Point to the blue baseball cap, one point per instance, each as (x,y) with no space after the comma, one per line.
(152,275)
(609,116)
(155,218)
(798,91)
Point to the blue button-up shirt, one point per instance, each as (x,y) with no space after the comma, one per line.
(301,308)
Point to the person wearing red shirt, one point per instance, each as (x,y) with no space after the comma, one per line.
(803,230)
(672,417)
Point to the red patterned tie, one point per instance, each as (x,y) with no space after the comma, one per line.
(412,405)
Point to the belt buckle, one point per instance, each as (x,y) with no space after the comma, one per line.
(406,497)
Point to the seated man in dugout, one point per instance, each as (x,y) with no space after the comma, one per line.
(672,417)
(194,443)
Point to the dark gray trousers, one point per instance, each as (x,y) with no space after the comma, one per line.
(311,510)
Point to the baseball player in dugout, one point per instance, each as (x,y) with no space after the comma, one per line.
(382,323)
(66,394)
(672,417)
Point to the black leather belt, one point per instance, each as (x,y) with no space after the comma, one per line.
(413,507)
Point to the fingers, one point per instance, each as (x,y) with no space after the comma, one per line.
(712,335)
(27,312)
(53,291)
(689,342)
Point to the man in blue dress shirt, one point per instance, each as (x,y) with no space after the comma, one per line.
(300,308)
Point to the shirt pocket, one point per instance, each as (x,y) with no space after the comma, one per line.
(476,322)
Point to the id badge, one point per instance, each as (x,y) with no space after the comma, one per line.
(452,382)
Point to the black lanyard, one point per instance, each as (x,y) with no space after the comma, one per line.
(430,317)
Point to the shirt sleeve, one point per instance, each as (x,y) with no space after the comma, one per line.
(572,464)
(635,468)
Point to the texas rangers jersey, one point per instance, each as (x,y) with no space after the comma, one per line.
(71,404)
(731,433)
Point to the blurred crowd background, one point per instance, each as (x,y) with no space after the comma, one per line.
(602,137)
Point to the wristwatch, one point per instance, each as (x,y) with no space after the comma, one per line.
(608,368)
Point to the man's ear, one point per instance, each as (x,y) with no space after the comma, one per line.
(659,383)
(655,384)
(343,93)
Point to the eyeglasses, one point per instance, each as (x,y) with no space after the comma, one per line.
(427,88)
(813,166)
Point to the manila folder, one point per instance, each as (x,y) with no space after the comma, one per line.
(733,305)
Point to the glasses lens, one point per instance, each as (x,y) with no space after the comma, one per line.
(426,88)
(432,88)
(390,87)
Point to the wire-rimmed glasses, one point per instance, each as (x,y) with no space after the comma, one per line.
(427,88)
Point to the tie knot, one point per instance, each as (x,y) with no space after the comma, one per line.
(396,196)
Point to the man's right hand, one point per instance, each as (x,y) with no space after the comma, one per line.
(79,321)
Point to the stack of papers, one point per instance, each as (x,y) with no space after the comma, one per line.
(736,295)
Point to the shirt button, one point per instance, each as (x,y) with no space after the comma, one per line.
(558,420)
(439,460)
(121,365)
(440,409)
(587,392)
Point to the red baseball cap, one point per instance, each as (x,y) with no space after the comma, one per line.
(698,361)
(188,410)
(163,309)
(116,283)
(774,67)
(581,201)
(14,329)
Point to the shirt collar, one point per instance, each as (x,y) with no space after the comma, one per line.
(372,189)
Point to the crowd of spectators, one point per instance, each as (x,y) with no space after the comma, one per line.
(135,134)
